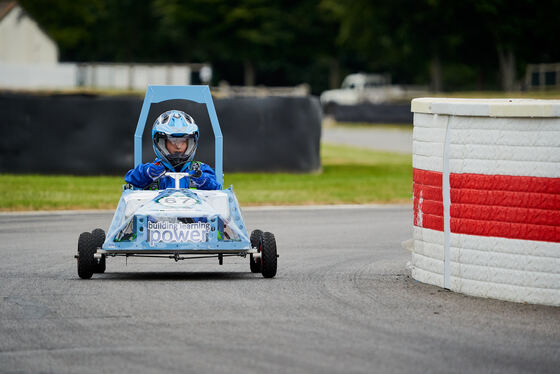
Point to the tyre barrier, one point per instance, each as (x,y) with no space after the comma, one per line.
(486,197)
(89,134)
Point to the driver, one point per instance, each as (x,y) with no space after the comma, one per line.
(175,139)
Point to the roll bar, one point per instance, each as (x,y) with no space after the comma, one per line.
(199,94)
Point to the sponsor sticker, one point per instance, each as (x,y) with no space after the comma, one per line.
(171,232)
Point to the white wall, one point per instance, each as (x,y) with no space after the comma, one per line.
(132,76)
(103,76)
(37,76)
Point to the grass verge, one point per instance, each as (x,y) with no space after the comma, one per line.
(349,176)
(549,94)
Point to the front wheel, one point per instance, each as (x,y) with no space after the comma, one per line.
(269,255)
(86,250)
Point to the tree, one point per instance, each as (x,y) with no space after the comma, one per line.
(101,30)
(451,44)
(243,33)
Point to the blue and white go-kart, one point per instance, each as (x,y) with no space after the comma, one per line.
(177,223)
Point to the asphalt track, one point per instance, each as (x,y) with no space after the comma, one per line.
(342,302)
(378,138)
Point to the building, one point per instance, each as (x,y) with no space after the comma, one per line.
(28,55)
(22,41)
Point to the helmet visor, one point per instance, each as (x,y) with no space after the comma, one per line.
(176,148)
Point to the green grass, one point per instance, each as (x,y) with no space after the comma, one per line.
(349,176)
(52,192)
(548,94)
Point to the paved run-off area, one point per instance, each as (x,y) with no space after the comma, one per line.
(342,301)
(381,138)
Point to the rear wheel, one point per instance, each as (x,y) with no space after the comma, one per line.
(256,239)
(99,239)
(268,255)
(86,250)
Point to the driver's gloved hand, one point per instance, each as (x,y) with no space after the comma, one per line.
(196,173)
(198,179)
(198,182)
(155,170)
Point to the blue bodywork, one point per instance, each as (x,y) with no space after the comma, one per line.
(178,220)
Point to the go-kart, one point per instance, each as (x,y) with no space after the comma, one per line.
(177,223)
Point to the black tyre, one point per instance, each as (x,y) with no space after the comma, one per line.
(86,250)
(99,239)
(256,240)
(268,255)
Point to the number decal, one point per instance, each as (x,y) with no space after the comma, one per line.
(177,201)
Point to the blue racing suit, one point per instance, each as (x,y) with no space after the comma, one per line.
(139,177)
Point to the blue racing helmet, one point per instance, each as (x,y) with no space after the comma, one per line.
(175,139)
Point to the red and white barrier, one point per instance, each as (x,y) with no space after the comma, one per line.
(486,189)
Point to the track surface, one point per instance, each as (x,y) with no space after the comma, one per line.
(377,138)
(342,302)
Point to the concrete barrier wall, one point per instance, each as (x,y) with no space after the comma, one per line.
(132,76)
(94,135)
(487,197)
(15,76)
